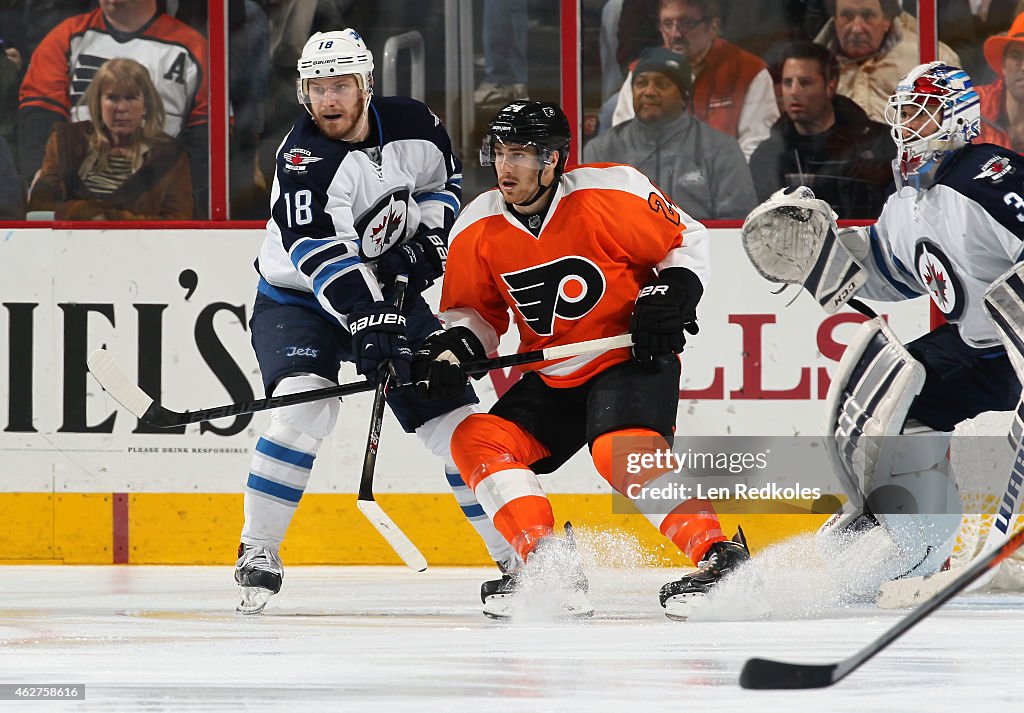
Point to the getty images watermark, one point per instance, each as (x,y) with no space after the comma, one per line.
(771,474)
(675,476)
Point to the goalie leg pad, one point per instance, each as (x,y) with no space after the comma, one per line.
(872,391)
(1004,301)
(919,504)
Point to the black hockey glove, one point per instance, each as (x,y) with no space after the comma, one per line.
(422,258)
(437,366)
(378,334)
(665,308)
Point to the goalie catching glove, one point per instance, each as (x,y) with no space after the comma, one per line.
(437,369)
(665,308)
(378,335)
(791,238)
(422,258)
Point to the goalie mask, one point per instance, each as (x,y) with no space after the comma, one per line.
(334,54)
(525,124)
(933,111)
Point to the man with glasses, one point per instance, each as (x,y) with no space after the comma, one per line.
(732,89)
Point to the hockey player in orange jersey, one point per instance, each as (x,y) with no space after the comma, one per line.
(575,255)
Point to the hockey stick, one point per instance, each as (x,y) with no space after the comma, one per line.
(373,512)
(119,385)
(768,674)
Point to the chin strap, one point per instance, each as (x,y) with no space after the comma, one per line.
(541,190)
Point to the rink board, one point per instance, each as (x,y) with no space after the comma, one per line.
(82,481)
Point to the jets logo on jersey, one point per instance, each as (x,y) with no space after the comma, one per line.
(995,168)
(298,160)
(566,288)
(383,224)
(938,275)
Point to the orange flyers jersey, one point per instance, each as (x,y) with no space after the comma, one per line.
(67,58)
(606,233)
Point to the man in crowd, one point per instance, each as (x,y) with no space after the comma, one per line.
(824,140)
(876,44)
(732,90)
(696,165)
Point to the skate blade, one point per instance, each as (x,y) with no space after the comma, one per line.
(682,606)
(503,607)
(253,600)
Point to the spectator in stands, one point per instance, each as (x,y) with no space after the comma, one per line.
(1002,102)
(823,140)
(10,65)
(248,80)
(637,29)
(291,23)
(25,22)
(12,190)
(608,44)
(732,90)
(701,169)
(876,45)
(119,164)
(62,66)
(505,60)
(757,26)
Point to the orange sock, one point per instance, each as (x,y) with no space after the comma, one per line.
(493,455)
(692,525)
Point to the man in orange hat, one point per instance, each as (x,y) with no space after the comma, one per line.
(1002,102)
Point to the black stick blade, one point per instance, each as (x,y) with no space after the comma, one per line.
(765,674)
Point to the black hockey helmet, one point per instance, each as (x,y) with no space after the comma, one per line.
(530,123)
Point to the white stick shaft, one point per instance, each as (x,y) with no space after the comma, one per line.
(592,345)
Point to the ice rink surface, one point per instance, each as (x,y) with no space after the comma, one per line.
(388,639)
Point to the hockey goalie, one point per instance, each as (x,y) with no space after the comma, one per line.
(952,230)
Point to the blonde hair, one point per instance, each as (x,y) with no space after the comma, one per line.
(126,75)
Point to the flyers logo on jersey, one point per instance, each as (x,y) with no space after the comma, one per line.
(382,225)
(566,288)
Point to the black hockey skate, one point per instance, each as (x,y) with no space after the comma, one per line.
(553,574)
(683,596)
(259,573)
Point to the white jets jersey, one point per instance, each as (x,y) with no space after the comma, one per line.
(336,207)
(952,240)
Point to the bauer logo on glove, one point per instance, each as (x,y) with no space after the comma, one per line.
(376,320)
(664,310)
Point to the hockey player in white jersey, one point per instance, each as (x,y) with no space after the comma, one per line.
(954,225)
(366,188)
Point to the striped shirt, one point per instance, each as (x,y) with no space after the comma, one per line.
(102,181)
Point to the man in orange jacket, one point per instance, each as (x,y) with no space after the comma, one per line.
(1002,101)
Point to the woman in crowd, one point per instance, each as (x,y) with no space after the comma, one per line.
(118,165)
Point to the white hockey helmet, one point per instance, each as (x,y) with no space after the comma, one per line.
(334,54)
(942,95)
